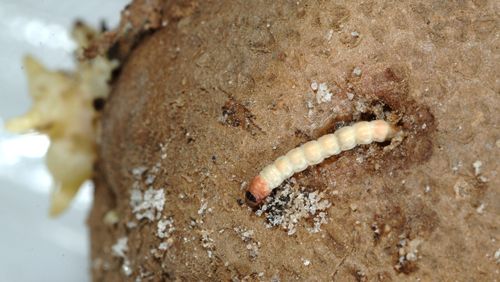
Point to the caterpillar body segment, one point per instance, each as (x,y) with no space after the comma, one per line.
(314,152)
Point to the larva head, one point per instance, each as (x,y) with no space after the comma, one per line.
(257,191)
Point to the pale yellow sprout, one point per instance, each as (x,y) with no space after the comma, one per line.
(63,109)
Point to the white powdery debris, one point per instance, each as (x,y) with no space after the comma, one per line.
(329,35)
(275,278)
(165,228)
(207,243)
(100,264)
(253,250)
(462,189)
(119,249)
(314,86)
(163,150)
(151,176)
(290,205)
(350,96)
(480,209)
(150,179)
(361,107)
(203,208)
(477,167)
(408,252)
(126,268)
(162,248)
(135,196)
(310,107)
(131,224)
(148,205)
(137,172)
(323,94)
(252,245)
(246,235)
(457,166)
(166,245)
(318,221)
(356,71)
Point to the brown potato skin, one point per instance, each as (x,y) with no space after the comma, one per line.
(222,85)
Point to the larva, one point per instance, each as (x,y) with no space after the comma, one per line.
(314,152)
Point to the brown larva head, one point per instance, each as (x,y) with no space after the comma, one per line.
(257,191)
(250,199)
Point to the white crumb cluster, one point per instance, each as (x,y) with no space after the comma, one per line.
(147,202)
(120,249)
(480,209)
(207,243)
(137,172)
(329,35)
(477,167)
(457,166)
(356,71)
(462,188)
(314,86)
(323,94)
(165,245)
(203,208)
(147,205)
(100,264)
(150,203)
(350,96)
(408,252)
(292,204)
(165,227)
(247,236)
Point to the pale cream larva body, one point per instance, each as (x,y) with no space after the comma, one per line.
(314,152)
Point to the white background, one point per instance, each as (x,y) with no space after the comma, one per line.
(34,247)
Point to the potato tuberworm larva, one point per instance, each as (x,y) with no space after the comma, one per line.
(314,152)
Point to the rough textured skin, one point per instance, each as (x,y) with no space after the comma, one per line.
(226,88)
